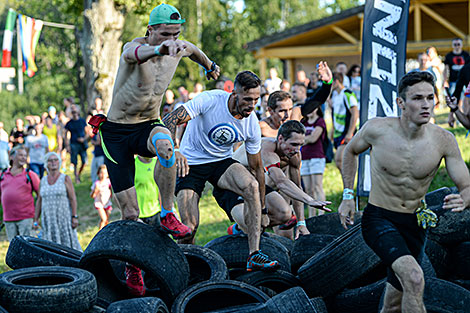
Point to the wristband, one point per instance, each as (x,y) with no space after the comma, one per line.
(75,216)
(35,224)
(157,50)
(264,211)
(301,223)
(213,65)
(177,149)
(330,82)
(348,194)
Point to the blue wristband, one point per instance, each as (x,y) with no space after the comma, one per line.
(348,194)
(207,71)
(157,50)
(301,223)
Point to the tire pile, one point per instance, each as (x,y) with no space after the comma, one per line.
(330,270)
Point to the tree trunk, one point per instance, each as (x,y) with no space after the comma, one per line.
(101,48)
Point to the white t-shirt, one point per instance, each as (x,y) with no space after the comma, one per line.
(212,130)
(37,146)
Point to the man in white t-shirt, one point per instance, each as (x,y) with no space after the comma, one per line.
(216,121)
(37,146)
(345,110)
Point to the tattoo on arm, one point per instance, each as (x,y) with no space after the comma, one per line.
(173,119)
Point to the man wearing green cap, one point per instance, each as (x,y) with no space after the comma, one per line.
(133,125)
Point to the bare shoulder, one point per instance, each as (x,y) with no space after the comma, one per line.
(268,148)
(442,137)
(378,126)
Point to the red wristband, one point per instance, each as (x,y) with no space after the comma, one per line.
(136,56)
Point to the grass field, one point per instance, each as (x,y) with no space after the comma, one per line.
(214,222)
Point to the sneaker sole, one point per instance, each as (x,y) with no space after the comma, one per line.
(175,234)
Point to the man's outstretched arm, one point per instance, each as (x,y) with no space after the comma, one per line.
(198,56)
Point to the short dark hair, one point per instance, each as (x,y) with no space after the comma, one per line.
(413,78)
(276,96)
(290,127)
(247,80)
(457,38)
(338,76)
(299,84)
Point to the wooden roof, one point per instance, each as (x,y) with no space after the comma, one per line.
(431,23)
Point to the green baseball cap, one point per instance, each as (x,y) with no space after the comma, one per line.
(162,15)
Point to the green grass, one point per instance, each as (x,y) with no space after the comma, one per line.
(214,222)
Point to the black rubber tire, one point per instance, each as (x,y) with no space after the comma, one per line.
(329,224)
(462,283)
(278,281)
(291,300)
(204,264)
(439,257)
(234,250)
(47,289)
(305,247)
(359,300)
(96,309)
(26,251)
(286,242)
(319,304)
(148,248)
(214,295)
(460,260)
(247,308)
(452,228)
(326,274)
(138,305)
(2,310)
(426,266)
(442,296)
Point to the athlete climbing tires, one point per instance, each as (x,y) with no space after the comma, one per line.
(26,251)
(47,289)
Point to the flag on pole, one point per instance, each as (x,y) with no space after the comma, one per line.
(30,30)
(8,38)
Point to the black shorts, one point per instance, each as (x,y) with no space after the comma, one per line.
(392,235)
(120,143)
(228,199)
(337,141)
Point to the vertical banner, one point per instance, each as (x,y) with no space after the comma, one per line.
(30,30)
(383,64)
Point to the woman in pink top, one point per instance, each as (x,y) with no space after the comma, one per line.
(16,190)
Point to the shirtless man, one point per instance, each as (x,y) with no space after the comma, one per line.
(133,125)
(216,121)
(279,108)
(278,155)
(405,155)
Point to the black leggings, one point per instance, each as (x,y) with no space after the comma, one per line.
(392,235)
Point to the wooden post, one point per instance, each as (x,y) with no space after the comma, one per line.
(417,20)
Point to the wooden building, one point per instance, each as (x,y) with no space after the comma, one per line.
(339,37)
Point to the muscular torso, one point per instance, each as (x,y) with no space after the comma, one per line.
(402,168)
(139,89)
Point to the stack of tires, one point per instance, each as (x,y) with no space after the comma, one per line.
(330,270)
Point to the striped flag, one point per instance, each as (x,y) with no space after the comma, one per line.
(8,38)
(30,30)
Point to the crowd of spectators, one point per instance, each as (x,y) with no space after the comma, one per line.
(41,143)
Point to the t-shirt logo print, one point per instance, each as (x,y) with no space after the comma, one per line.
(223,134)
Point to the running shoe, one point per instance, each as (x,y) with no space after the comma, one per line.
(234,230)
(173,226)
(260,261)
(290,223)
(134,280)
